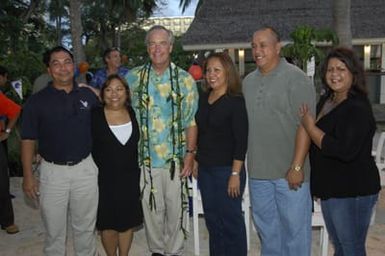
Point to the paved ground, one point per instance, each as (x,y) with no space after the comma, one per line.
(29,241)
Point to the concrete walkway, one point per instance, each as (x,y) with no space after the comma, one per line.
(29,242)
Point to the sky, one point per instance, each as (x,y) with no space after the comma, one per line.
(171,8)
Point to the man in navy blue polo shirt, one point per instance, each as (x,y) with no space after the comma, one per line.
(58,118)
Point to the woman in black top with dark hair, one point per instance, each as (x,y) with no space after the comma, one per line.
(115,137)
(222,143)
(343,172)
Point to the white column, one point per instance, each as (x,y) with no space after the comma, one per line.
(382,91)
(232,54)
(367,57)
(241,62)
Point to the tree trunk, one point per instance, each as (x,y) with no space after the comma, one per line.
(342,21)
(77,31)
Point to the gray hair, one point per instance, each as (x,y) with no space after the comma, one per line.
(171,37)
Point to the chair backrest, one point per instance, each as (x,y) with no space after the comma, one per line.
(380,145)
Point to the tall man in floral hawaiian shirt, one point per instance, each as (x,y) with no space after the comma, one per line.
(165,99)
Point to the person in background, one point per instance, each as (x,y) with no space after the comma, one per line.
(115,136)
(42,81)
(278,165)
(59,119)
(222,143)
(3,118)
(165,99)
(7,90)
(11,110)
(343,172)
(113,61)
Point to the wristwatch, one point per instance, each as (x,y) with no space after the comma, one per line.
(191,151)
(8,130)
(297,168)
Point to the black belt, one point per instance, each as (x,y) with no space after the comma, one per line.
(68,163)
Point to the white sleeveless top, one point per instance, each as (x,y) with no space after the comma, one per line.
(122,132)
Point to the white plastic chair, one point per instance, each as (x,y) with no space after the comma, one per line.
(317,220)
(198,209)
(380,161)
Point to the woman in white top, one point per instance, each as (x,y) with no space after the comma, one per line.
(115,139)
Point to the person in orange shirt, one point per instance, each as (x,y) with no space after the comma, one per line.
(11,110)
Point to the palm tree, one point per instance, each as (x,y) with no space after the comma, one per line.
(342,21)
(183,4)
(76,30)
(57,13)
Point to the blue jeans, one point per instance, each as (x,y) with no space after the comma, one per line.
(347,221)
(282,217)
(223,214)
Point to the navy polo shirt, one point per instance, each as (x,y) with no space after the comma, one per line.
(60,122)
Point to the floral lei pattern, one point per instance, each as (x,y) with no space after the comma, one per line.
(178,140)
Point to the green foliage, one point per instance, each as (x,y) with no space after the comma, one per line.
(303,47)
(180,57)
(24,65)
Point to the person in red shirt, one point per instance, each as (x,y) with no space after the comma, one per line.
(11,110)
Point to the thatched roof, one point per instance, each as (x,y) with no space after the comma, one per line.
(231,23)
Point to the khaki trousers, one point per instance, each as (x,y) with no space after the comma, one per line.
(163,224)
(72,190)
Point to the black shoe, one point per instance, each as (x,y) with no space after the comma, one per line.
(157,254)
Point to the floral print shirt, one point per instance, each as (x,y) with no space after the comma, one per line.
(160,110)
(100,76)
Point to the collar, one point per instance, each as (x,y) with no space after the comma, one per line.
(51,88)
(276,70)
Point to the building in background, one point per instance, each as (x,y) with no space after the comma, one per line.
(178,25)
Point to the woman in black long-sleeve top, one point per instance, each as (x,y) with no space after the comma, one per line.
(222,143)
(343,172)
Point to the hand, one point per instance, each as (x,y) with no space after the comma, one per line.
(195,170)
(307,119)
(294,178)
(188,165)
(233,188)
(30,187)
(4,136)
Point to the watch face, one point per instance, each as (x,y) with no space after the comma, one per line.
(297,168)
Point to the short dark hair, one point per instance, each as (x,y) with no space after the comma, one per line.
(353,64)
(3,71)
(107,52)
(108,82)
(273,31)
(48,54)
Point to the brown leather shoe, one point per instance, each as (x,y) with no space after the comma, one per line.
(12,229)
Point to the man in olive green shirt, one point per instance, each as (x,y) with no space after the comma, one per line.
(277,150)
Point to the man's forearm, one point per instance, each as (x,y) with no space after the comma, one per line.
(12,122)
(302,144)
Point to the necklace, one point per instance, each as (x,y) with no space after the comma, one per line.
(176,132)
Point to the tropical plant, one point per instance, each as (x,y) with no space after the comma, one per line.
(303,47)
(183,4)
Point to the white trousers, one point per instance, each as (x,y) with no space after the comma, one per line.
(163,224)
(72,190)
